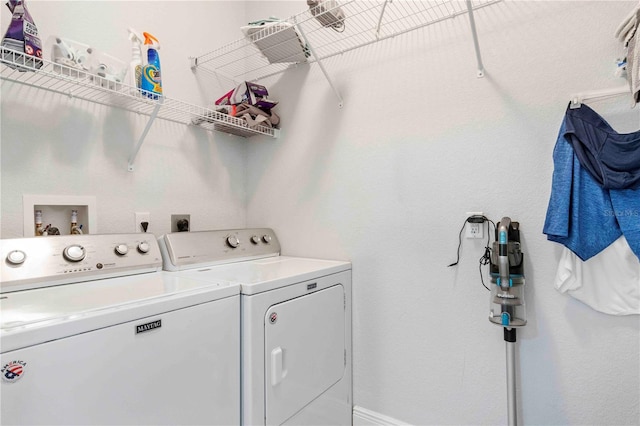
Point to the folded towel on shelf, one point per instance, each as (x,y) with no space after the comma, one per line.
(278,41)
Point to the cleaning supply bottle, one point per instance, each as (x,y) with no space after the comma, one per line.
(22,37)
(136,58)
(151,79)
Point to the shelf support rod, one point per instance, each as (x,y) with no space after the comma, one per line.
(474,33)
(326,75)
(384,6)
(134,152)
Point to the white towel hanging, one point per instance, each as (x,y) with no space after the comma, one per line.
(627,25)
(608,282)
(627,33)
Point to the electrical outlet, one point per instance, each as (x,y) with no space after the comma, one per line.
(141,217)
(180,222)
(474,230)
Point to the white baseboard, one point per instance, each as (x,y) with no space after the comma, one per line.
(364,417)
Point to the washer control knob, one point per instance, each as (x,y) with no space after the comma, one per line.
(233,241)
(266,238)
(144,247)
(121,249)
(16,257)
(74,253)
(255,239)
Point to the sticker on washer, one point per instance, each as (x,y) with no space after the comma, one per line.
(273,318)
(143,328)
(13,371)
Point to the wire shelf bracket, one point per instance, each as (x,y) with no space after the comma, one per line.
(324,71)
(476,44)
(134,151)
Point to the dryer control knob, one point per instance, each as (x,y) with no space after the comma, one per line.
(121,249)
(16,257)
(144,247)
(255,239)
(266,238)
(74,253)
(233,241)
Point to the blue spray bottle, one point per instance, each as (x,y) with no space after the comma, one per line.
(151,81)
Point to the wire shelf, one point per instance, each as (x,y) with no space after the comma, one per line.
(364,23)
(20,68)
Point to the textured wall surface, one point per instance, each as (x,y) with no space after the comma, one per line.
(384,182)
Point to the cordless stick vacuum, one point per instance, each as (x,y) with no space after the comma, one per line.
(507,297)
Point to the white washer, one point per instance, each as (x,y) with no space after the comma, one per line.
(94,332)
(295,323)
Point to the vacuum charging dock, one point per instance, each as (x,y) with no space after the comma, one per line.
(507,306)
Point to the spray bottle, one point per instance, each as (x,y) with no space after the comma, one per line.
(151,79)
(136,58)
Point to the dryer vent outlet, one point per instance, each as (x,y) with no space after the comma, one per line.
(180,222)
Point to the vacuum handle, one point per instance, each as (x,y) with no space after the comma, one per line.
(503,252)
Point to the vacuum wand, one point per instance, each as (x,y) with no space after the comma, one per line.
(510,347)
(507,298)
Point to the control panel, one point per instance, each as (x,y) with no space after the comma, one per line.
(212,247)
(54,260)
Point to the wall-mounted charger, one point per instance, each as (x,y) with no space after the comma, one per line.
(473,227)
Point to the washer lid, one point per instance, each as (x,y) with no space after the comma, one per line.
(33,316)
(257,276)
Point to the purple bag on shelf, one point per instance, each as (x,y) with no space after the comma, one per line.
(21,37)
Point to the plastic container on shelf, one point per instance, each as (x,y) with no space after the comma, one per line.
(75,57)
(110,70)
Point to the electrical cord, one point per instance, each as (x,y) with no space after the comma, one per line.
(485,259)
(459,244)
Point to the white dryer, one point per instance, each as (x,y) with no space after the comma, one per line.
(295,323)
(94,332)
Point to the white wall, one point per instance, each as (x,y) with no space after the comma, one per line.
(60,146)
(386,181)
